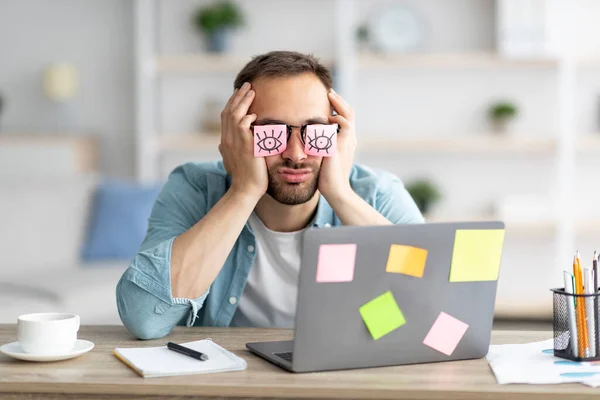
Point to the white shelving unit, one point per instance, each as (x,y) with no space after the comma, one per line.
(152,144)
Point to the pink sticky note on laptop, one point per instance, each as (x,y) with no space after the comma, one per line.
(336,263)
(269,140)
(321,140)
(445,334)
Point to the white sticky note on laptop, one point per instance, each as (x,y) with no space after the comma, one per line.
(151,362)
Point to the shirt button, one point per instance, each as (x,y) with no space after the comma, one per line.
(250,249)
(232,300)
(328,225)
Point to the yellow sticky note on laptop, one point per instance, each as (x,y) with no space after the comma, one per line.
(476,255)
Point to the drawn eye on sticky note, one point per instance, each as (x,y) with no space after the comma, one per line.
(407,260)
(336,263)
(476,255)
(321,140)
(269,140)
(445,334)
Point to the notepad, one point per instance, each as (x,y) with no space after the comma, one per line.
(151,362)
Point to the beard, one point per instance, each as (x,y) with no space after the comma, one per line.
(292,194)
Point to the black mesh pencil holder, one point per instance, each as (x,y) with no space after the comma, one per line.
(576,317)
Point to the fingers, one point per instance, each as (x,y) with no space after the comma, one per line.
(340,120)
(340,105)
(231,99)
(241,110)
(247,120)
(240,96)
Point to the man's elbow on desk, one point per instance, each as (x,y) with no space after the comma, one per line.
(145,316)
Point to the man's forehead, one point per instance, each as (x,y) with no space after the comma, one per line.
(273,120)
(285,100)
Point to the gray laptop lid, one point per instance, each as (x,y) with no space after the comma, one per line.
(330,333)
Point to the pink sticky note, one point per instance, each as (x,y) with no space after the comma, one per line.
(269,140)
(445,334)
(336,263)
(321,140)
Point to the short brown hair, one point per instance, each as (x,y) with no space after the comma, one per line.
(283,63)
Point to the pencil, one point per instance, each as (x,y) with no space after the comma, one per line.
(584,344)
(596,333)
(580,347)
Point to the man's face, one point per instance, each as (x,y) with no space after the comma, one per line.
(296,100)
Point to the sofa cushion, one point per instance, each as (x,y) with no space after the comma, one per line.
(119,220)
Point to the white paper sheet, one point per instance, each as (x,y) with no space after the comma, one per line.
(535,363)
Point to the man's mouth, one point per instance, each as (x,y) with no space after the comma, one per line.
(295,175)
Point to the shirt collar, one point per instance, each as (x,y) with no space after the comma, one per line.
(324,213)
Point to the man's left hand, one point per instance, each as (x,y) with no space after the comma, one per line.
(335,171)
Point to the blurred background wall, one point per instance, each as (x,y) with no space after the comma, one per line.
(97,38)
(102,99)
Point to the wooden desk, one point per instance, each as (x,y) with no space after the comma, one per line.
(99,374)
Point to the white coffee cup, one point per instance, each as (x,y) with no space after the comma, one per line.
(47,333)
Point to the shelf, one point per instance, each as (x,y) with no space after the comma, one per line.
(589,62)
(191,142)
(484,143)
(450,60)
(589,143)
(31,153)
(479,144)
(205,63)
(517,227)
(589,226)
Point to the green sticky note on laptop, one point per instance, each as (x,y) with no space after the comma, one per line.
(382,315)
(476,255)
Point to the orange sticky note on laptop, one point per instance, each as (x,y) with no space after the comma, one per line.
(406,260)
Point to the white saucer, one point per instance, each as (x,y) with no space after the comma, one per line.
(14,350)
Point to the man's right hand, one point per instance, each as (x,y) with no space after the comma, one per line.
(248,173)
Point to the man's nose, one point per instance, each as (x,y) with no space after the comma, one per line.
(295,148)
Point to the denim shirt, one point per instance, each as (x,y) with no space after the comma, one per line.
(144,300)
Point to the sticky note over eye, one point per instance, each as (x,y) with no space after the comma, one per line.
(320,140)
(476,255)
(382,315)
(407,260)
(445,334)
(269,140)
(336,263)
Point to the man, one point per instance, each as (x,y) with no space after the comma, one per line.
(223,242)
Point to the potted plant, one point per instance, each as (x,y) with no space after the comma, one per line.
(425,194)
(362,37)
(501,114)
(216,21)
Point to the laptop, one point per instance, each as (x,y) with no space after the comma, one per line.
(453,316)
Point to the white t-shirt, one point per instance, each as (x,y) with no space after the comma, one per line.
(269,298)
